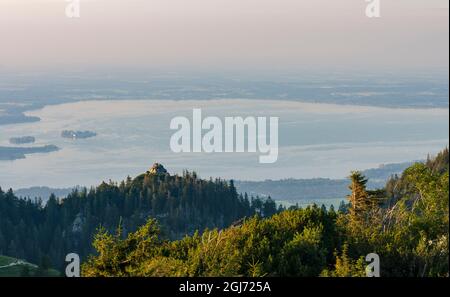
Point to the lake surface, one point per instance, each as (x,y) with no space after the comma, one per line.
(316,140)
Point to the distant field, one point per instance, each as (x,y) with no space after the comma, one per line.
(15,268)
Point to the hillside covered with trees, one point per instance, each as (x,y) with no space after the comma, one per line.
(406,224)
(159,224)
(181,204)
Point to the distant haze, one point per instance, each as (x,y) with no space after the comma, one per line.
(222,34)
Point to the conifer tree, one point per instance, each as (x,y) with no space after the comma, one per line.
(359,198)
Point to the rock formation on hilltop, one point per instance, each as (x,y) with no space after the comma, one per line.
(157,169)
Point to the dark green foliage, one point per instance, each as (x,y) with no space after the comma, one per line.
(398,186)
(410,236)
(144,220)
(410,231)
(181,204)
(292,243)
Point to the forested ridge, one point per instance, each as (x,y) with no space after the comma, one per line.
(182,204)
(406,224)
(159,224)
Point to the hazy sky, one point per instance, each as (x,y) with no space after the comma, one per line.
(224,34)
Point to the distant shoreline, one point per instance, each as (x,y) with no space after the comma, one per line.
(13,117)
(305,189)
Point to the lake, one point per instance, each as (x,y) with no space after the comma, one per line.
(316,140)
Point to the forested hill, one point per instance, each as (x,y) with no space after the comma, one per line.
(181,204)
(406,225)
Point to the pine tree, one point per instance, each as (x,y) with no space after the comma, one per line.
(359,198)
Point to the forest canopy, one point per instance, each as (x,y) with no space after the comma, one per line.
(159,224)
(182,204)
(406,224)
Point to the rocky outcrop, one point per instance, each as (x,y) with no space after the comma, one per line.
(157,169)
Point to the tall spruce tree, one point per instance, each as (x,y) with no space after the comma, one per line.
(359,198)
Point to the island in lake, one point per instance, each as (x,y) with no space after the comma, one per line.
(22,140)
(77,134)
(14,153)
